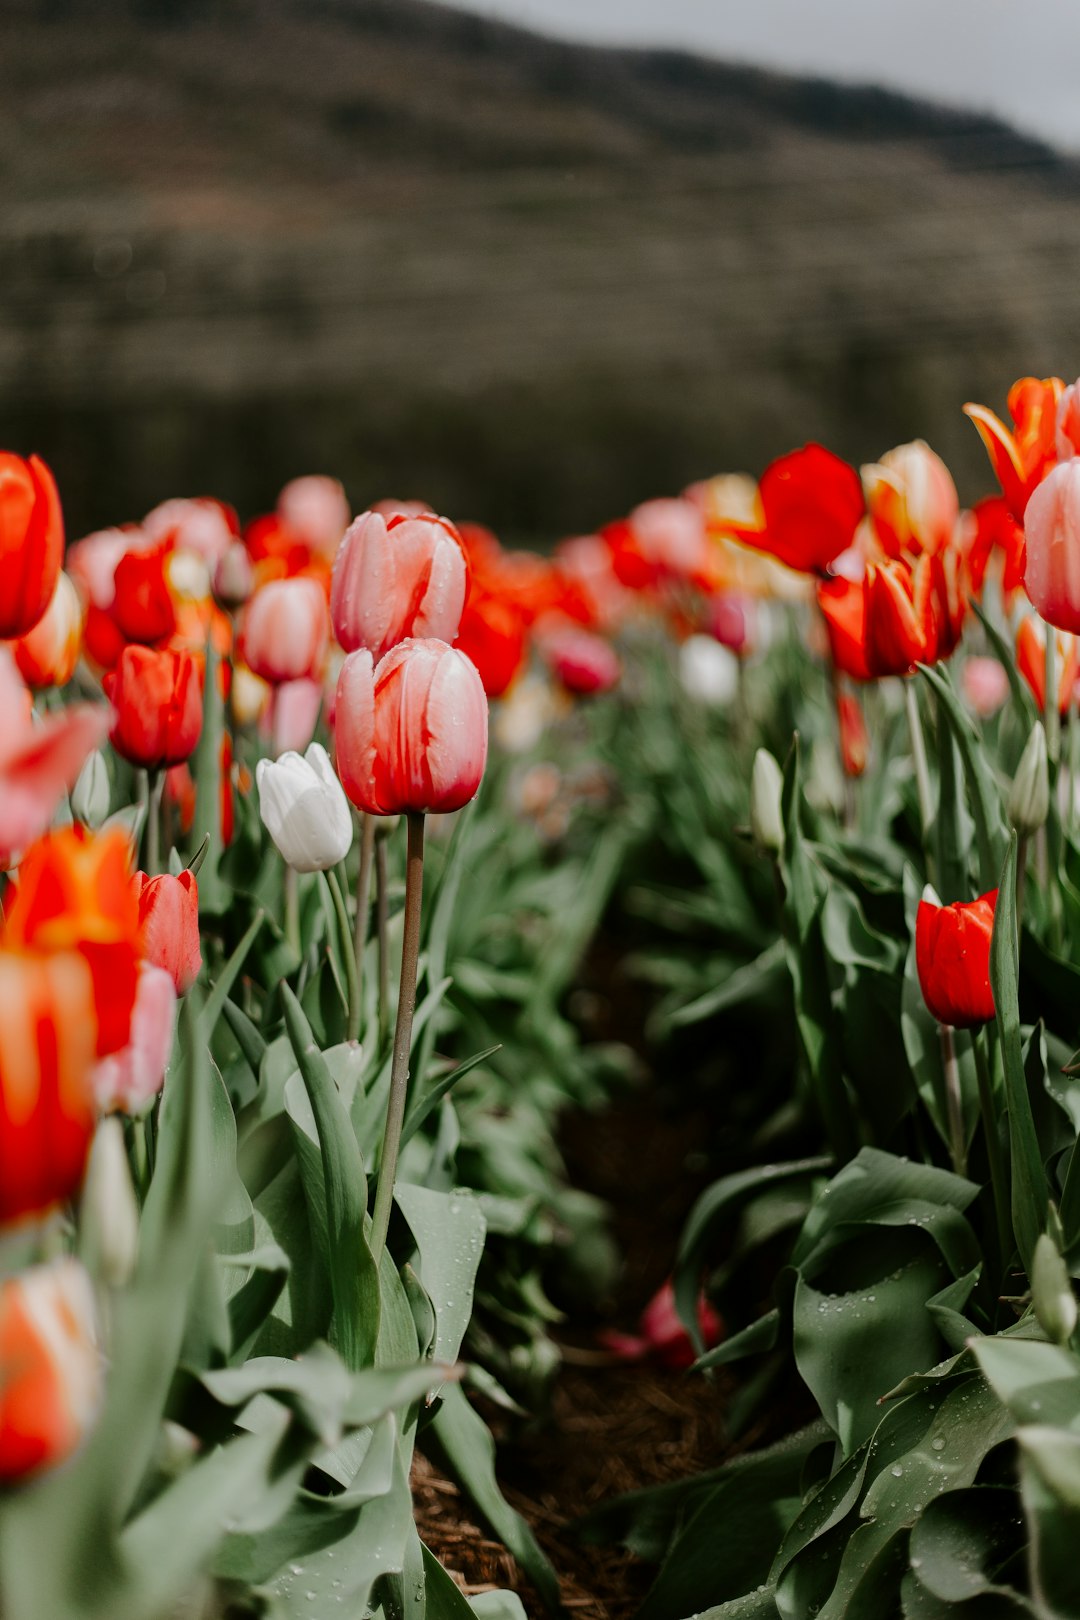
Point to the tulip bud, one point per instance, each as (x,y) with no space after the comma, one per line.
(234,577)
(952,958)
(91,793)
(286,630)
(108,1210)
(304,809)
(1029,796)
(397,578)
(1052,1292)
(766,790)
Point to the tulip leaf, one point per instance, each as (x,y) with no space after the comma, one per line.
(1021,691)
(449,1229)
(228,976)
(982,790)
(214,893)
(1030,1193)
(423,1103)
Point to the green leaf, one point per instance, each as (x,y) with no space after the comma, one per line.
(982,789)
(449,1229)
(214,895)
(225,980)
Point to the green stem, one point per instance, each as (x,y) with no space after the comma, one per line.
(1021,874)
(382,926)
(292,908)
(155,789)
(399,1071)
(352,980)
(363,894)
(1051,718)
(998,1180)
(953,1104)
(918,756)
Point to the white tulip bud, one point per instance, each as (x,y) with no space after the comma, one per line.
(304,809)
(90,795)
(1052,1292)
(1029,796)
(766,791)
(108,1212)
(708,672)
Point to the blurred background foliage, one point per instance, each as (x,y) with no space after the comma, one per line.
(531,282)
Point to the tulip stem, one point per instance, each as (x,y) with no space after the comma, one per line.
(953,1104)
(1051,718)
(399,1071)
(382,926)
(998,1181)
(918,756)
(1021,874)
(363,894)
(352,979)
(155,789)
(292,907)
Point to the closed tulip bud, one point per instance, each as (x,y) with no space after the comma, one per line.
(128,1081)
(90,797)
(108,1209)
(766,793)
(158,702)
(286,632)
(31,542)
(51,1369)
(169,914)
(952,956)
(395,578)
(1029,796)
(48,653)
(1052,534)
(234,577)
(304,809)
(314,508)
(1052,1292)
(412,732)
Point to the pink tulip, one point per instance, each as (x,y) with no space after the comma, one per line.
(315,510)
(1067,426)
(169,916)
(39,761)
(292,716)
(663,1336)
(285,633)
(130,1079)
(583,662)
(1052,536)
(912,500)
(985,685)
(670,533)
(412,732)
(201,525)
(397,577)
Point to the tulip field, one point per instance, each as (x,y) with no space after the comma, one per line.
(348,862)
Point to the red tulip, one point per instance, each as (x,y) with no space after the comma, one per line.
(158,702)
(993,529)
(143,608)
(130,1079)
(812,503)
(663,1335)
(51,1370)
(891,619)
(169,915)
(48,1038)
(31,542)
(1021,457)
(843,606)
(411,733)
(1052,539)
(854,737)
(285,630)
(492,636)
(1031,662)
(583,662)
(395,578)
(952,955)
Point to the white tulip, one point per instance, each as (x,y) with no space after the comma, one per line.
(304,809)
(709,672)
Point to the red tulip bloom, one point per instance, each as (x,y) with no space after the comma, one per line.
(952,955)
(169,915)
(893,618)
(143,608)
(812,503)
(48,1039)
(51,1369)
(1031,662)
(843,607)
(854,737)
(1021,457)
(395,578)
(411,732)
(663,1336)
(31,542)
(994,529)
(582,662)
(285,631)
(492,637)
(157,696)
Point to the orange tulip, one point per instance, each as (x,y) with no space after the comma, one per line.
(1031,662)
(48,653)
(51,1370)
(1022,456)
(48,1041)
(31,542)
(912,500)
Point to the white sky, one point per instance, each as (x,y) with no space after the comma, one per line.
(1019,59)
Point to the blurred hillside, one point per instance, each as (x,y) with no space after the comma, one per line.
(529,281)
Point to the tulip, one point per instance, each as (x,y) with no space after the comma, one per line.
(47,654)
(201,525)
(108,1208)
(912,501)
(900,621)
(412,732)
(854,737)
(51,1370)
(843,604)
(158,704)
(74,893)
(1031,662)
(992,530)
(169,916)
(708,671)
(128,1081)
(31,542)
(952,956)
(1067,424)
(285,632)
(663,1335)
(1022,457)
(669,535)
(304,809)
(291,717)
(1029,796)
(397,578)
(985,685)
(811,503)
(38,763)
(766,803)
(143,608)
(48,1035)
(314,508)
(582,662)
(234,577)
(91,795)
(492,636)
(1052,537)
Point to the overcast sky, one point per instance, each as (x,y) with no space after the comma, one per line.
(1017,58)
